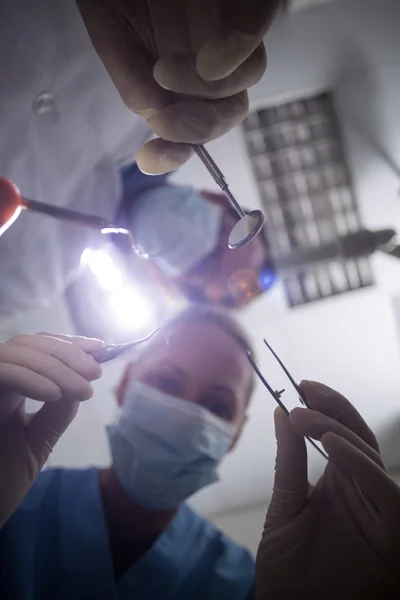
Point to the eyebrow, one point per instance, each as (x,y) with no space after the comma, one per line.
(177,369)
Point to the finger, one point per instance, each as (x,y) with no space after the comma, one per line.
(70,354)
(199,121)
(290,484)
(47,425)
(130,69)
(179,74)
(334,405)
(87,344)
(23,381)
(159,156)
(236,39)
(71,383)
(311,423)
(374,482)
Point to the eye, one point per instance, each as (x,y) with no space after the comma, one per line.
(166,383)
(219,408)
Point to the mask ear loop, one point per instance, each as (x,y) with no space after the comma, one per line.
(277,394)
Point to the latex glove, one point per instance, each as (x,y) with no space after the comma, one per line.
(340,540)
(54,371)
(210,51)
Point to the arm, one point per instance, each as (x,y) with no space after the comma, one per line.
(55,371)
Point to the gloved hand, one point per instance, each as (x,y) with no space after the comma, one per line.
(54,371)
(340,540)
(183,65)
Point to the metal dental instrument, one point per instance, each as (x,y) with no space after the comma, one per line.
(277,394)
(67,214)
(250,224)
(12,204)
(113,350)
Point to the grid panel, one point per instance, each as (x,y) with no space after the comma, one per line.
(305,187)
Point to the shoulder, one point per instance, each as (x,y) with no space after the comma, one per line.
(58,496)
(52,484)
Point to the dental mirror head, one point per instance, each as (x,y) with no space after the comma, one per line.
(246,229)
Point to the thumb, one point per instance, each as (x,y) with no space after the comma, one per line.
(291,484)
(47,426)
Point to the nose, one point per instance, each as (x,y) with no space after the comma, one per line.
(190,393)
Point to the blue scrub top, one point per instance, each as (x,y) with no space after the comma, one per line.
(55,547)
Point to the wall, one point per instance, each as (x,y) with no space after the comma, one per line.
(243,526)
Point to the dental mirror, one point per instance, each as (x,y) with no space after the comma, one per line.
(249,224)
(246,229)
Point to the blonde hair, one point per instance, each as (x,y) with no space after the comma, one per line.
(215,316)
(221,318)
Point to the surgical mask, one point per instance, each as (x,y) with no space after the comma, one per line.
(165,449)
(176,226)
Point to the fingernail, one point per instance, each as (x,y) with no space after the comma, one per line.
(163,160)
(92,345)
(98,371)
(96,341)
(147,113)
(89,392)
(94,366)
(169,163)
(174,156)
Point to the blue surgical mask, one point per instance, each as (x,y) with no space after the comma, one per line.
(176,226)
(165,449)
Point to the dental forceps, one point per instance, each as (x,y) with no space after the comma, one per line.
(278,394)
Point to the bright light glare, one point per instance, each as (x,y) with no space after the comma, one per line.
(132,309)
(103,268)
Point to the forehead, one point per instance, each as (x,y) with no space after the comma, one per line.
(205,351)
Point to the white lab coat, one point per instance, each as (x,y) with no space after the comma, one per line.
(64,135)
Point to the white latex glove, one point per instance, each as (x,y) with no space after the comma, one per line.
(55,371)
(206,53)
(340,540)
